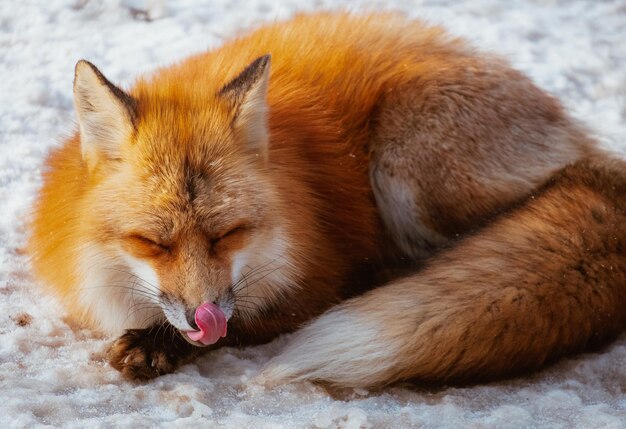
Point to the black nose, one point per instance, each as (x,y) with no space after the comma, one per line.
(191,319)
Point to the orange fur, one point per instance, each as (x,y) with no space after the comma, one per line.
(373,142)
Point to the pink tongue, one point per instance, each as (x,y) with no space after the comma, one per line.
(211,322)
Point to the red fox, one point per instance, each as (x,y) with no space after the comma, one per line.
(413,209)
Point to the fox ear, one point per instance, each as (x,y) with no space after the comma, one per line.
(248,95)
(106,114)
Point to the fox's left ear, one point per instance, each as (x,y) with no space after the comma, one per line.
(248,95)
(106,114)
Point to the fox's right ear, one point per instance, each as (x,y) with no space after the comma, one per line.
(106,114)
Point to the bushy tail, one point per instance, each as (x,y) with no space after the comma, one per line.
(545,280)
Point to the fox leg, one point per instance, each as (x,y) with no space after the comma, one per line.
(547,279)
(141,354)
(452,149)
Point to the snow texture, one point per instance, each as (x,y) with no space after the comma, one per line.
(53,374)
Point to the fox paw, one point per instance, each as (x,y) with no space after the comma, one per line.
(141,355)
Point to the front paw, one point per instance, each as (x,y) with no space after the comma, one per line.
(140,354)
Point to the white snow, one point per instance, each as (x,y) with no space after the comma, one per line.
(54,375)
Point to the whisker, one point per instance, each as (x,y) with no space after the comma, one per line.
(247,295)
(144,292)
(131,274)
(252,272)
(157,334)
(147,319)
(264,274)
(138,306)
(249,304)
(247,276)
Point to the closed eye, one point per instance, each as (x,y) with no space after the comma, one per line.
(143,240)
(229,233)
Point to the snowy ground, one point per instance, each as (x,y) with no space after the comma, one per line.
(52,374)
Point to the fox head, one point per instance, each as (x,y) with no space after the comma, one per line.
(180,209)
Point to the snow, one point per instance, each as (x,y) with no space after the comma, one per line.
(53,374)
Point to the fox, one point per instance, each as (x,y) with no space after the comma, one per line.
(406,207)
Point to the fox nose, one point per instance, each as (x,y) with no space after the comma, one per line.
(191,319)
